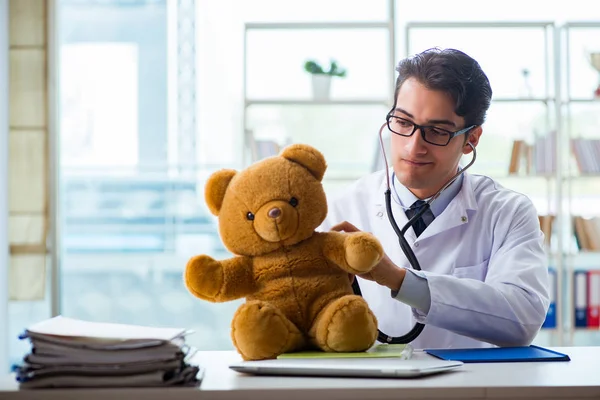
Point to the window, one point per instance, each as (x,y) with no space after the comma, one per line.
(4,62)
(151,103)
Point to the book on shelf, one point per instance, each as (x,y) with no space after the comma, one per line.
(587,233)
(544,154)
(547,225)
(68,352)
(550,321)
(521,155)
(587,155)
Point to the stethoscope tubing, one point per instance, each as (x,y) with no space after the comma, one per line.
(406,249)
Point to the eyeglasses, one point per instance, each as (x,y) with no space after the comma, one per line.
(430,134)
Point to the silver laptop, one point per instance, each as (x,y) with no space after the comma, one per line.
(340,367)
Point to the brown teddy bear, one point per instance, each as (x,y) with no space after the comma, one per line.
(294,279)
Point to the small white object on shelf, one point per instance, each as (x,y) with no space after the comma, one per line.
(321,86)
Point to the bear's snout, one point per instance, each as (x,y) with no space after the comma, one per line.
(274,212)
(276,221)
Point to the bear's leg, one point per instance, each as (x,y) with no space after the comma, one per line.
(261,331)
(344,325)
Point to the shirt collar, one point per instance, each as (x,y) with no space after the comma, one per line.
(407,198)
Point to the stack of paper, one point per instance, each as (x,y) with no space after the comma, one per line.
(73,353)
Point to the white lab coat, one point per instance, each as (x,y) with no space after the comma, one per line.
(483,258)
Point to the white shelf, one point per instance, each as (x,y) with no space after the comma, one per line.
(582,24)
(585,260)
(360,102)
(317,25)
(523,176)
(583,176)
(523,100)
(582,100)
(479,24)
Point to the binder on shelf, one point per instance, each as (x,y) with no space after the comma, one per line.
(580,280)
(593,297)
(550,321)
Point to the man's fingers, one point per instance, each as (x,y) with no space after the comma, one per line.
(346,227)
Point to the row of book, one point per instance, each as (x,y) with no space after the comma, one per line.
(587,233)
(536,158)
(585,230)
(71,353)
(586,299)
(587,155)
(540,157)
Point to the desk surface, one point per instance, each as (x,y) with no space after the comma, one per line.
(578,378)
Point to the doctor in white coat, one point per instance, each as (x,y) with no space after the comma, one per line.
(484,279)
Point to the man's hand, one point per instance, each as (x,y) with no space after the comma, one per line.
(386,273)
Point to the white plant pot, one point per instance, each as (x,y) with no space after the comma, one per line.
(321,86)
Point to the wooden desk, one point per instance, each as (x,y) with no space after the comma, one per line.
(576,379)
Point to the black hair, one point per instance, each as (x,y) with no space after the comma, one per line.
(453,72)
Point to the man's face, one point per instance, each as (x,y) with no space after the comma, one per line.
(420,166)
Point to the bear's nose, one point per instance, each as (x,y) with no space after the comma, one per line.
(274,212)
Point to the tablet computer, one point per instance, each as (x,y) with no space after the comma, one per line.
(367,368)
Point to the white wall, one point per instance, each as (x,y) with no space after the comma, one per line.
(4,186)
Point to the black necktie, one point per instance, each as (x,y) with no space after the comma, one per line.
(419,225)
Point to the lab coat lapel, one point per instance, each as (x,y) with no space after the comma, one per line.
(456,213)
(398,214)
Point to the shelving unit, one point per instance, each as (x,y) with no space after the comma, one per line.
(565,183)
(552,104)
(351,103)
(545,34)
(576,180)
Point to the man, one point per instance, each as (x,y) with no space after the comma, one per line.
(483,278)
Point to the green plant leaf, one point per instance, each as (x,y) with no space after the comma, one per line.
(313,67)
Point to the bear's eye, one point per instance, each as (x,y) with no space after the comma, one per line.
(294,201)
(250,216)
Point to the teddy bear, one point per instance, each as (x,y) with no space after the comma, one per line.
(295,279)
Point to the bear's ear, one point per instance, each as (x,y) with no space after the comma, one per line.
(216,186)
(307,156)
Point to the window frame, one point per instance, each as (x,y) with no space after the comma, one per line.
(4,128)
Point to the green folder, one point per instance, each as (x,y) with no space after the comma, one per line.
(403,351)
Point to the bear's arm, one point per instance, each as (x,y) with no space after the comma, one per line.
(356,252)
(220,281)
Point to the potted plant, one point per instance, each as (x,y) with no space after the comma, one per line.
(321,78)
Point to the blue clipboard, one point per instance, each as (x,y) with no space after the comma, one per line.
(499,354)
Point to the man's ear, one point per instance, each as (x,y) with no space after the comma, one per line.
(307,156)
(473,138)
(215,188)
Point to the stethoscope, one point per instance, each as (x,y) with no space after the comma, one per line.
(408,252)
